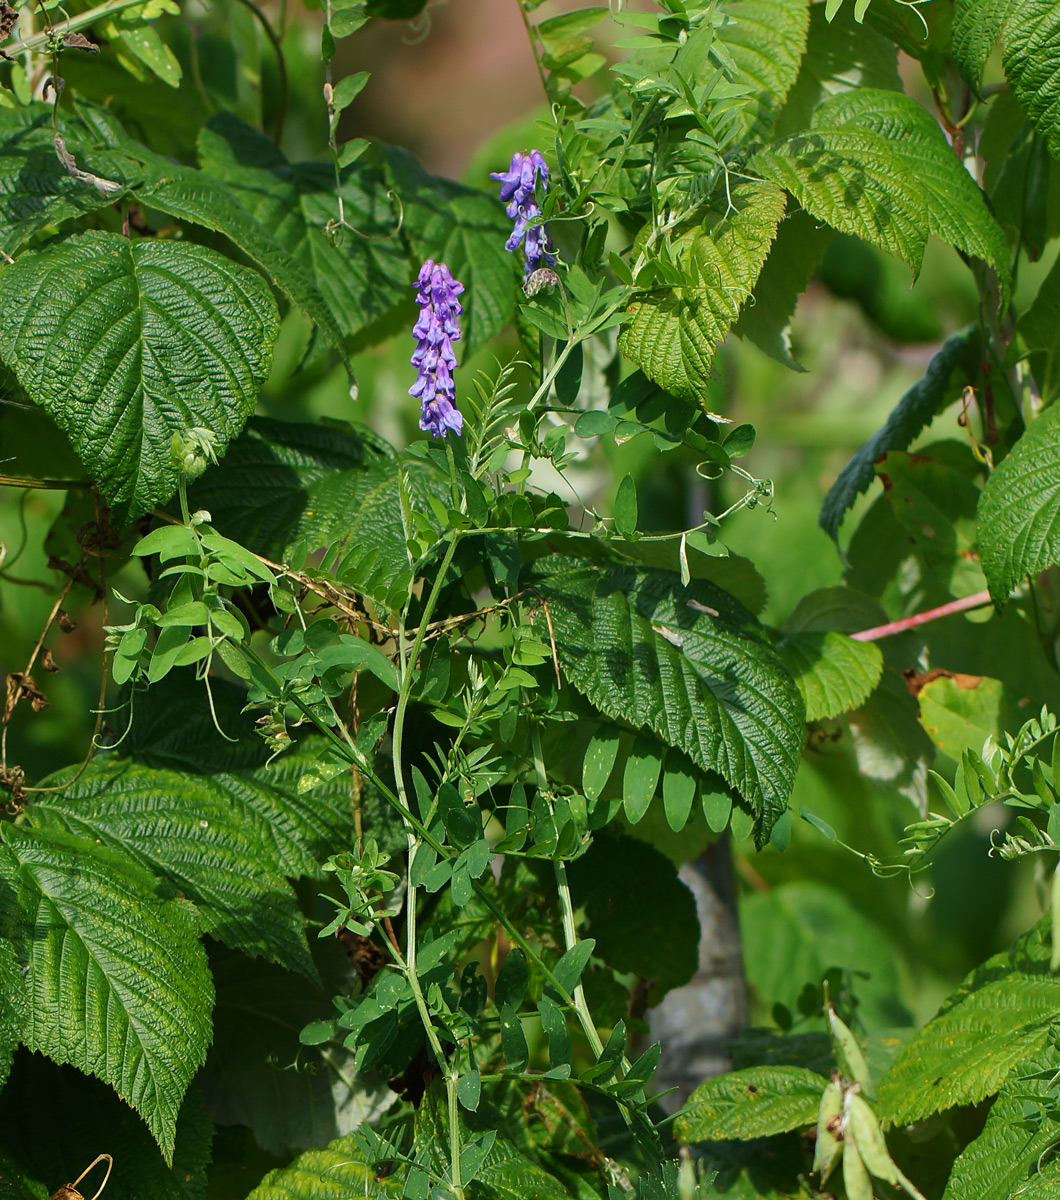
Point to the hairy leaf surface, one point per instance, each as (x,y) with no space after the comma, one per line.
(1004,1013)
(689,663)
(756,1102)
(334,1173)
(118,983)
(1019,509)
(13,1006)
(674,332)
(125,343)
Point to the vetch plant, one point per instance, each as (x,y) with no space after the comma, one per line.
(362,875)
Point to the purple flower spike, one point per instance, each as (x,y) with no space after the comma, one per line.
(519,193)
(435,331)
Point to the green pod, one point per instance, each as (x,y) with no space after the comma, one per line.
(828,1145)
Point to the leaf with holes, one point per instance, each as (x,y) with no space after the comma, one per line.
(689,663)
(124,343)
(753,1103)
(674,332)
(1019,509)
(118,983)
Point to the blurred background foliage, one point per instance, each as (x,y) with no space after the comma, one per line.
(459,87)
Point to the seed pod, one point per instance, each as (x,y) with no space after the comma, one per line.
(863,1132)
(828,1144)
(855,1177)
(848,1054)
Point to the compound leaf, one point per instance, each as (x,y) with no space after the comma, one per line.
(125,343)
(1019,509)
(689,663)
(675,331)
(753,1103)
(118,984)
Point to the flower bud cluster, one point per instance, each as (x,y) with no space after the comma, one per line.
(519,192)
(435,331)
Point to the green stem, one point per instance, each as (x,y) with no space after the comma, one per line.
(70,25)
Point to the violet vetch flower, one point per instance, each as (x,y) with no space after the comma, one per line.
(435,331)
(519,192)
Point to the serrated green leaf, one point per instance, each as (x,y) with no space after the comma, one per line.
(855,180)
(753,1103)
(362,273)
(956,208)
(1019,509)
(765,40)
(334,1173)
(976,28)
(181,827)
(284,482)
(35,190)
(118,984)
(13,1006)
(674,332)
(126,342)
(689,663)
(467,230)
(799,245)
(914,412)
(1004,1013)
(1003,1158)
(834,673)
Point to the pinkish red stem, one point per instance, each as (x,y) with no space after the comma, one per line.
(978,600)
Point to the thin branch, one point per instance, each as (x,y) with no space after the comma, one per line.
(977,600)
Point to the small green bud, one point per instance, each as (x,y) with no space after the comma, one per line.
(193,451)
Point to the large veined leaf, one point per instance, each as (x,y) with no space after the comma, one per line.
(282,483)
(765,40)
(690,663)
(125,343)
(1029,31)
(188,830)
(117,982)
(13,1006)
(912,413)
(467,230)
(1003,1014)
(35,189)
(674,332)
(834,673)
(799,246)
(1005,1156)
(856,181)
(335,1173)
(173,729)
(956,208)
(976,28)
(753,1103)
(1019,509)
(361,270)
